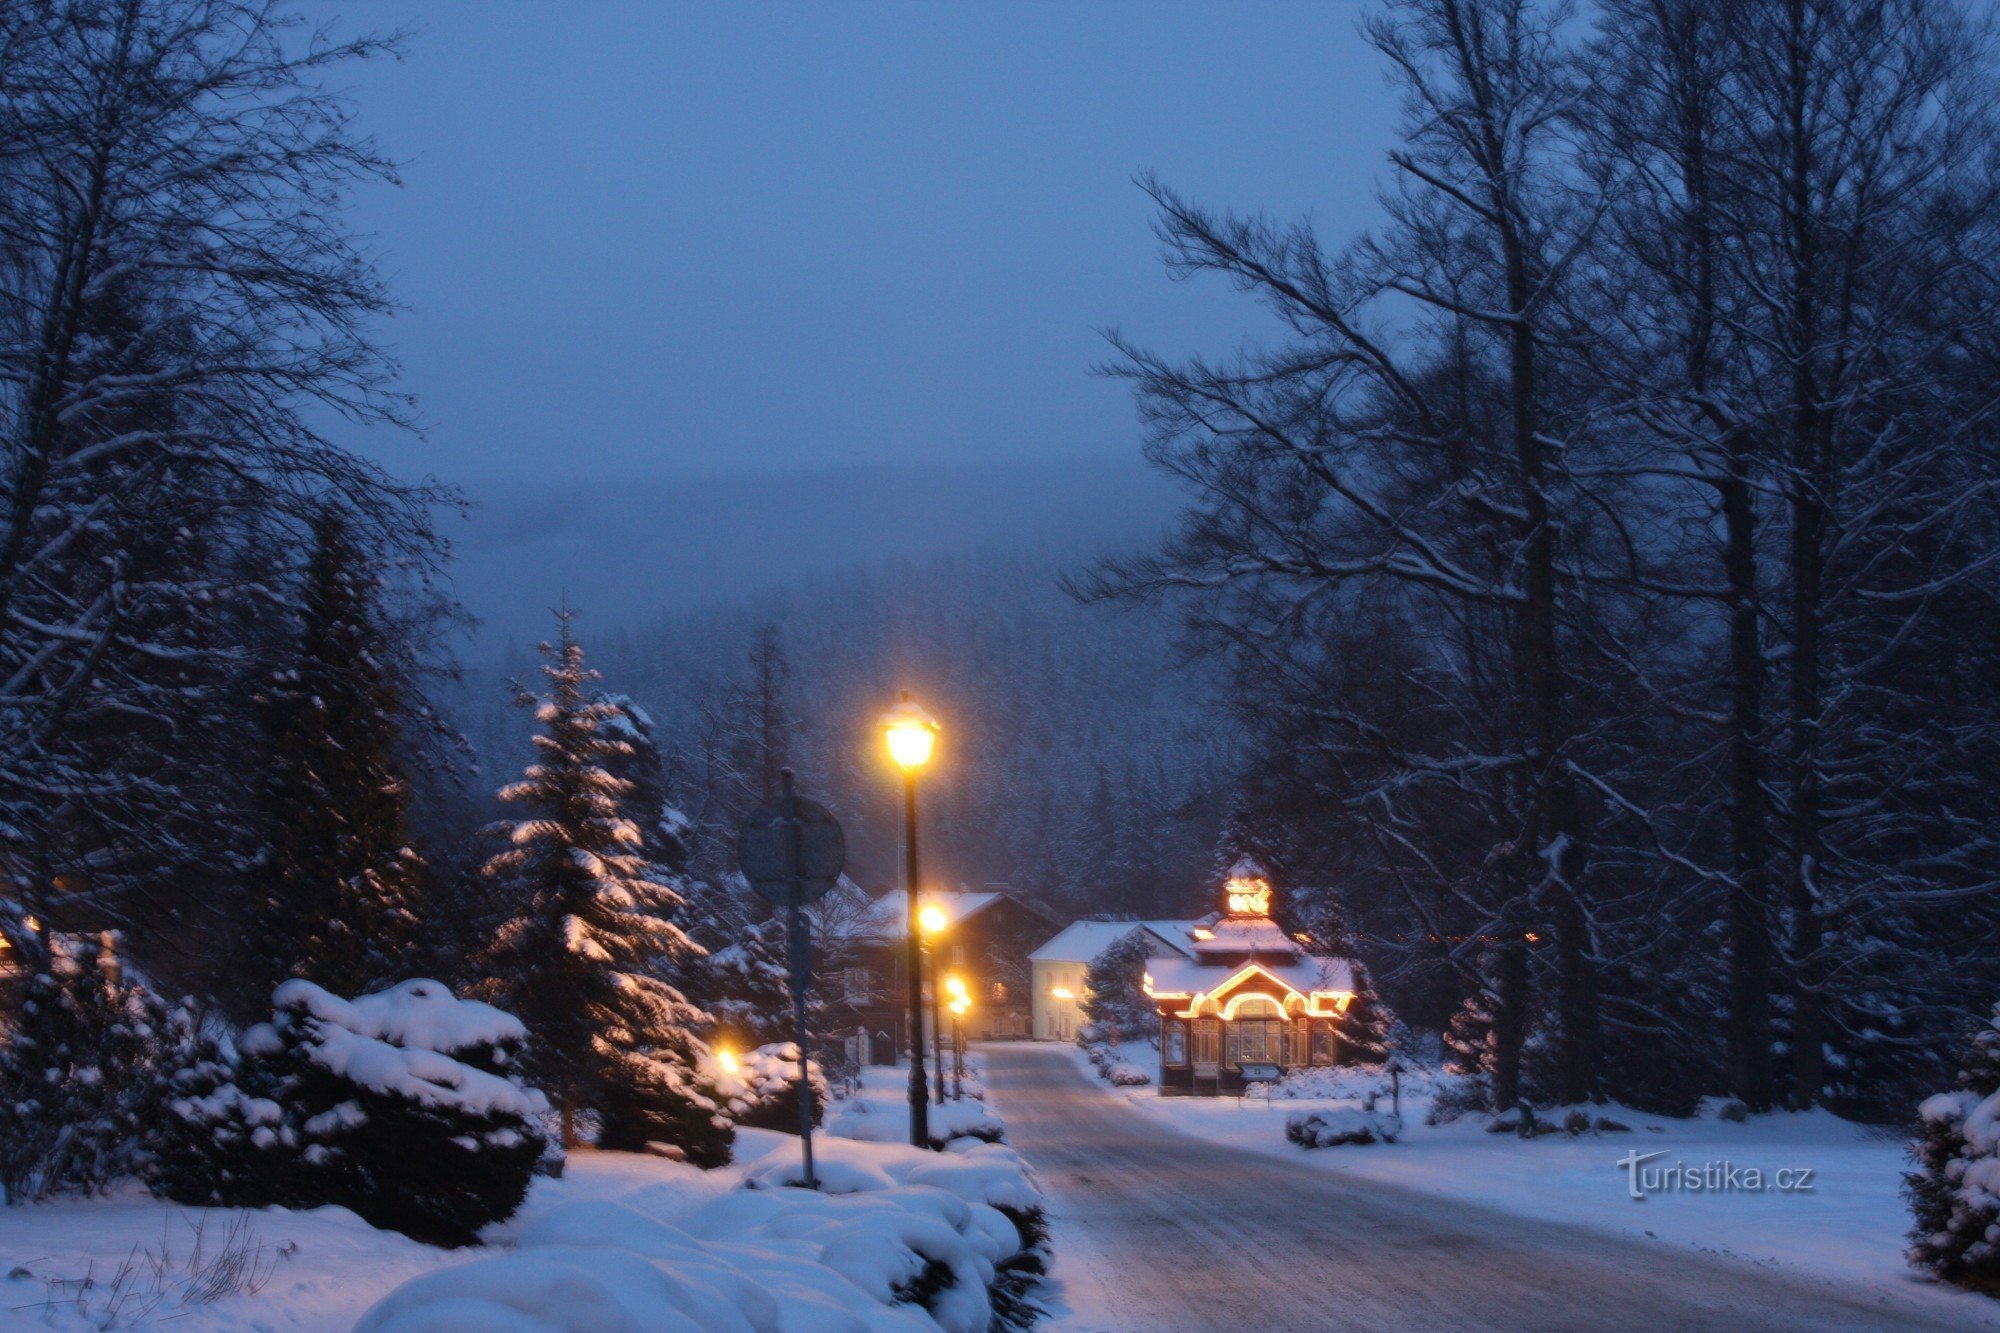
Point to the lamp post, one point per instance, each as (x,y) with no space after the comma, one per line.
(961,1000)
(934,921)
(911,734)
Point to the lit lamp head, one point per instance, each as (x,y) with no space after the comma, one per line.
(1063,993)
(911,734)
(960,1006)
(932,919)
(955,987)
(727,1059)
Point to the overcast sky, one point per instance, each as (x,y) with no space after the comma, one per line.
(666,239)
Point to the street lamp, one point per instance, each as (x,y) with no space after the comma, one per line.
(911,734)
(933,921)
(961,1001)
(1063,996)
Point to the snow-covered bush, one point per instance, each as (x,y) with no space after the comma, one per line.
(983,1192)
(400,1105)
(1955,1192)
(1115,1069)
(1327,1129)
(762,1091)
(82,1072)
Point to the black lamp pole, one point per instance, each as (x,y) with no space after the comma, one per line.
(920,1126)
(937,1024)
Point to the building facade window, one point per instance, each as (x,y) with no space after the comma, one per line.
(1322,1042)
(1204,1044)
(1174,1041)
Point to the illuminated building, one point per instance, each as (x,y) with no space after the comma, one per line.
(1249,995)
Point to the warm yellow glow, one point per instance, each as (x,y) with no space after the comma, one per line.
(1314,1008)
(31,923)
(1202,933)
(727,1059)
(1063,993)
(955,987)
(932,919)
(1249,897)
(960,1005)
(911,733)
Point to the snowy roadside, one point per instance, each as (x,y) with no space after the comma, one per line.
(1848,1226)
(619,1236)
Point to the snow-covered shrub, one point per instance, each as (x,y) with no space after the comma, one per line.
(762,1092)
(400,1105)
(977,1270)
(1327,1129)
(1114,1068)
(959,1118)
(1954,1193)
(82,1073)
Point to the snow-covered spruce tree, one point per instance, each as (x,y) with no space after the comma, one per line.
(1115,1007)
(588,947)
(1954,1193)
(337,887)
(404,1105)
(747,987)
(1365,1024)
(80,1072)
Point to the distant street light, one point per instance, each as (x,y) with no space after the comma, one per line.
(911,734)
(961,1001)
(1063,995)
(934,921)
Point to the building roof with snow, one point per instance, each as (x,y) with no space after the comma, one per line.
(888,917)
(1085,941)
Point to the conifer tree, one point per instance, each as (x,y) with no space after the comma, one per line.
(1954,1194)
(338,888)
(586,951)
(1113,1000)
(79,1073)
(1365,1023)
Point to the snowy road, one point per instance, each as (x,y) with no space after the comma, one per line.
(1157,1230)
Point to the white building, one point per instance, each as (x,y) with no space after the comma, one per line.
(1056,970)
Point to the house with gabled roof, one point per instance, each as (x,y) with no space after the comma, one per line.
(1245,998)
(1059,966)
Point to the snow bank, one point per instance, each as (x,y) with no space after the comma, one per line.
(877,1111)
(608,1266)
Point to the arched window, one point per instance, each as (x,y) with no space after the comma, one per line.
(1256,1006)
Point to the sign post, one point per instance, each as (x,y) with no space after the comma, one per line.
(792,851)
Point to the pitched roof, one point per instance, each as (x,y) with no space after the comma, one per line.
(1308,975)
(1245,935)
(1085,941)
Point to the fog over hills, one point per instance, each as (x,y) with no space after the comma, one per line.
(626,552)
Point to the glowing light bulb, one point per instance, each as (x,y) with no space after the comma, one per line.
(911,734)
(932,919)
(727,1059)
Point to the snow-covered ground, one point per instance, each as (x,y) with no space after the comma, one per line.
(619,1232)
(1849,1225)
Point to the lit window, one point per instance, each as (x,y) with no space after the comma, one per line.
(1174,1042)
(1206,1032)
